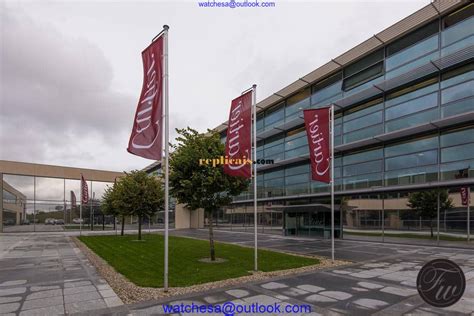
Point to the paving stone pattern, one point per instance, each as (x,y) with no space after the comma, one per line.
(47,275)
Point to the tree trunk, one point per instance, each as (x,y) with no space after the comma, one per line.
(140,227)
(211,237)
(431,228)
(114,222)
(123,225)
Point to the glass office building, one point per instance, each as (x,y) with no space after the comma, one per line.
(404,123)
(38,197)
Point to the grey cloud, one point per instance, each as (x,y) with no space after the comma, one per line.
(57,103)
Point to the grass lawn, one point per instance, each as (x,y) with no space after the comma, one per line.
(142,262)
(408,235)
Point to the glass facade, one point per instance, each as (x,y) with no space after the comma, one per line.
(418,137)
(424,157)
(393,217)
(33,203)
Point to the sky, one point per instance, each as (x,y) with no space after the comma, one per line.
(71,71)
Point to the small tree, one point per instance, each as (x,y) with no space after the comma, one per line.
(110,205)
(425,203)
(202,186)
(136,194)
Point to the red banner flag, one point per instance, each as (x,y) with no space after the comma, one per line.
(146,137)
(238,144)
(73,199)
(317,131)
(84,191)
(465,196)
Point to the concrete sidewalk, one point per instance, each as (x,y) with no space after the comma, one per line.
(46,274)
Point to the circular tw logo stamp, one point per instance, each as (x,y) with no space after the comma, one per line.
(441,283)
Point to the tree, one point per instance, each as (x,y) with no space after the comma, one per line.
(110,205)
(425,203)
(135,194)
(202,185)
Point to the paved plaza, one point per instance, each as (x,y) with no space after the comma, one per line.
(46,274)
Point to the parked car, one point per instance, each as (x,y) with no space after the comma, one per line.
(78,220)
(49,221)
(58,222)
(9,222)
(25,222)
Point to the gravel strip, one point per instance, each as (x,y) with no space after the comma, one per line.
(131,293)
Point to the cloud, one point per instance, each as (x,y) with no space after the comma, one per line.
(57,101)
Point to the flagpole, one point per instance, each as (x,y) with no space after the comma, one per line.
(80,212)
(91,224)
(332,183)
(468,213)
(166,116)
(254,109)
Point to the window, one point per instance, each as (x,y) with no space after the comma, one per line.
(414,52)
(296,103)
(413,106)
(411,175)
(457,92)
(8,197)
(363,76)
(363,133)
(412,120)
(362,122)
(449,171)
(363,70)
(412,92)
(299,169)
(363,110)
(457,75)
(363,181)
(297,179)
(274,147)
(458,16)
(412,38)
(363,63)
(460,152)
(274,182)
(295,139)
(260,121)
(326,88)
(274,174)
(363,156)
(274,115)
(419,101)
(458,28)
(275,152)
(412,160)
(457,137)
(274,187)
(362,168)
(412,146)
(274,140)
